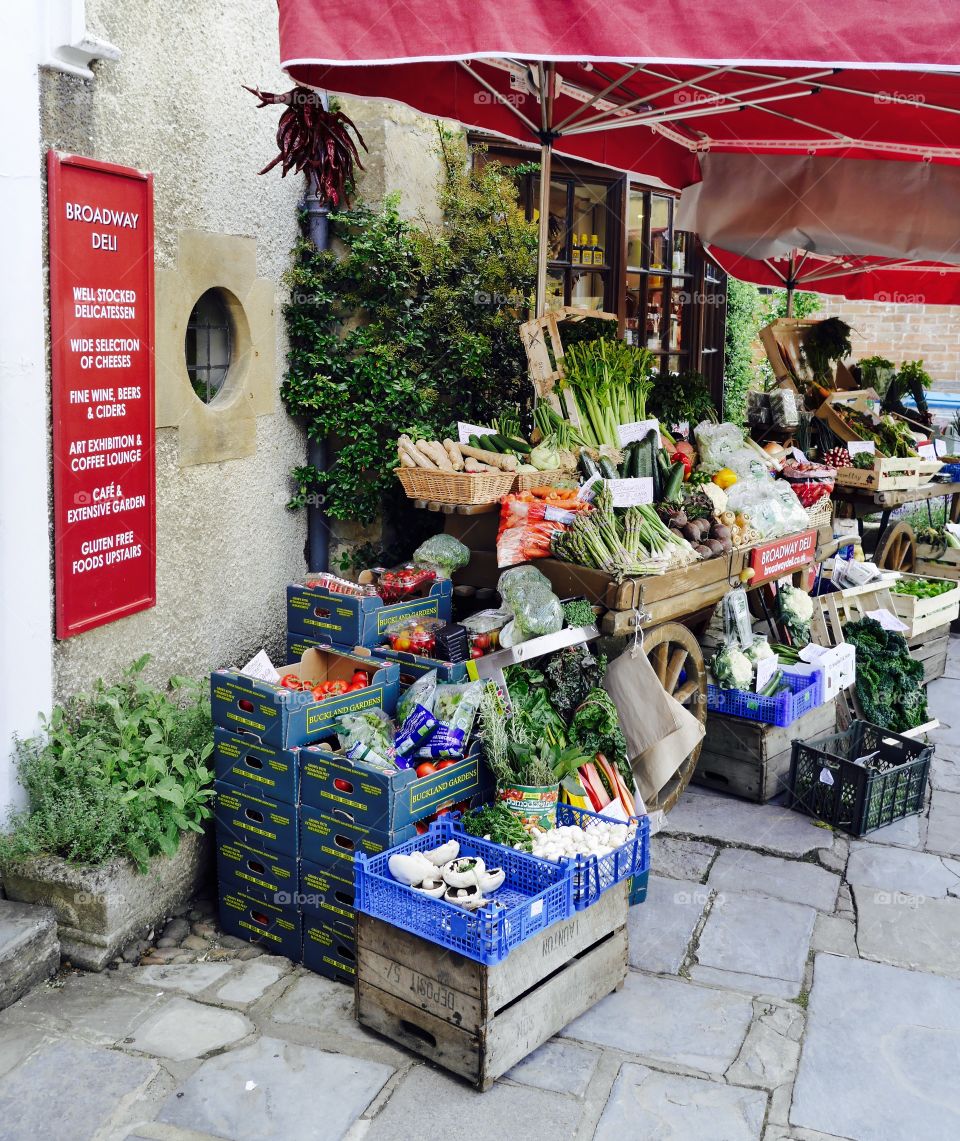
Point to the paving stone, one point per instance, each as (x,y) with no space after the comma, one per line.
(750,937)
(16,1044)
(945,773)
(248,984)
(909,930)
(754,874)
(834,934)
(245,955)
(680,859)
(712,816)
(94,1008)
(182,1029)
(943,831)
(880,1054)
(559,1065)
(428,1103)
(668,1020)
(67,1091)
(906,833)
(189,979)
(899,870)
(644,1103)
(660,931)
(769,1056)
(276,1089)
(835,859)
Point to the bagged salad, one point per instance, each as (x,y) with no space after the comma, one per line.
(417,721)
(536,610)
(455,708)
(368,736)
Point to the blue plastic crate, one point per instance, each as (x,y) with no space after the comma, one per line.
(952,470)
(535,895)
(781,710)
(593,875)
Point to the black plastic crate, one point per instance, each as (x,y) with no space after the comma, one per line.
(862,797)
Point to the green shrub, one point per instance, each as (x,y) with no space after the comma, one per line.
(120,771)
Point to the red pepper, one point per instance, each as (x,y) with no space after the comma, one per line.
(360,678)
(291,681)
(679,457)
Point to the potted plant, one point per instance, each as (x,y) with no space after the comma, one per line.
(112,837)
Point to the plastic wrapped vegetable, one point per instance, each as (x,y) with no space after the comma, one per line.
(368,737)
(796,613)
(759,648)
(513,583)
(455,707)
(771,505)
(422,692)
(443,553)
(731,668)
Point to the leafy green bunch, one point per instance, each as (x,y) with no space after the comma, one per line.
(120,771)
(889,681)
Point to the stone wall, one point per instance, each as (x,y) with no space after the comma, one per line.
(902,332)
(174,105)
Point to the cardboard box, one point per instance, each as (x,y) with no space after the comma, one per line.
(330,949)
(286,718)
(278,929)
(382,801)
(257,872)
(414,666)
(331,834)
(350,621)
(255,819)
(326,890)
(241,759)
(298,644)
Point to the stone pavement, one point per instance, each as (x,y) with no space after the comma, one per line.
(785,982)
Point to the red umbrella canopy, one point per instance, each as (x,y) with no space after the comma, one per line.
(648,89)
(859,278)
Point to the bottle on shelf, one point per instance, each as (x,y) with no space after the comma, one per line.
(596,250)
(576,253)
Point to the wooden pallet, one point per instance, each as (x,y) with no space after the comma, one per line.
(752,760)
(479,1021)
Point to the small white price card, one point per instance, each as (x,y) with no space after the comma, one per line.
(261,667)
(856,447)
(631,492)
(766,668)
(927,451)
(637,430)
(800,456)
(588,490)
(465,431)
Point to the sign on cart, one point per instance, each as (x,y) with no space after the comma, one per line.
(101,327)
(779,557)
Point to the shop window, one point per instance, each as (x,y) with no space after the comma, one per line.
(579,234)
(208,344)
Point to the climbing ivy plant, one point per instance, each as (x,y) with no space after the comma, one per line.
(407,328)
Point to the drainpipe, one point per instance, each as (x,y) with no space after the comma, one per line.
(318,529)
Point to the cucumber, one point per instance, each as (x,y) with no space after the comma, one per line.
(517,445)
(587,465)
(674,481)
(627,462)
(485,443)
(636,459)
(644,464)
(607,469)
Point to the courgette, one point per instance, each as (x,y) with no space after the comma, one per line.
(587,464)
(626,463)
(673,484)
(607,469)
(486,443)
(517,445)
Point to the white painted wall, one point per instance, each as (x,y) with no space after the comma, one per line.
(25,591)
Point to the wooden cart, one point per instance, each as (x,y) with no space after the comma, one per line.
(668,612)
(897,546)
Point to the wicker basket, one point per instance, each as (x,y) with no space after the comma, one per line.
(454,486)
(527,480)
(821,513)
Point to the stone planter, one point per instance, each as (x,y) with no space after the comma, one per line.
(101,909)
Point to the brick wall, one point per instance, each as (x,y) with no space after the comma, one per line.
(902,332)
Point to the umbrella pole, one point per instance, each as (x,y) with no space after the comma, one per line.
(789,300)
(546,162)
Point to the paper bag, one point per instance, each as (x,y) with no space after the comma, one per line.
(660,733)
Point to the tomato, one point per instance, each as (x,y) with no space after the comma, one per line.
(444,764)
(356,685)
(322,691)
(360,677)
(336,688)
(402,642)
(476,652)
(426,769)
(481,640)
(290,681)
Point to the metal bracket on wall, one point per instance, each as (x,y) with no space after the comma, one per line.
(67,45)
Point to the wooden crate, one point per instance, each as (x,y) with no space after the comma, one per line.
(782,340)
(924,614)
(857,398)
(544,347)
(885,475)
(937,562)
(931,649)
(926,470)
(751,760)
(479,1021)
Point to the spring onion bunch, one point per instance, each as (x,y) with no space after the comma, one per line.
(608,383)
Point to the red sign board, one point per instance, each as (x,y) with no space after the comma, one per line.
(101,329)
(779,557)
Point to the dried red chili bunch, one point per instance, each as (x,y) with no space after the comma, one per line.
(314,140)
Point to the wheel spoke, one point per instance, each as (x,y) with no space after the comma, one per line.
(678,660)
(660,663)
(687,690)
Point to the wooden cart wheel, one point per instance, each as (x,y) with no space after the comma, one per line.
(673,651)
(898,550)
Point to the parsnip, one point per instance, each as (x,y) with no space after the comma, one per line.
(475,467)
(435,453)
(405,446)
(492,459)
(405,460)
(456,456)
